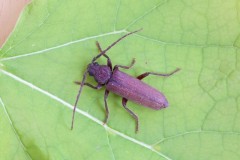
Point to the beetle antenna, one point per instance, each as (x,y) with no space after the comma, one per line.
(78,95)
(113,44)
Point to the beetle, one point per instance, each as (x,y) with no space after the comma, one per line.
(122,84)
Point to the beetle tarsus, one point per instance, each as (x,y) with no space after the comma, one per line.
(78,83)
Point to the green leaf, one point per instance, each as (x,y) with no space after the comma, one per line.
(55,40)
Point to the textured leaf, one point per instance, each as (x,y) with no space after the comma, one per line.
(55,40)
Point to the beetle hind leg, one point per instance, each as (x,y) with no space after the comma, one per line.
(124,102)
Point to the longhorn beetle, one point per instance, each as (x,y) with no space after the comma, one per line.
(122,84)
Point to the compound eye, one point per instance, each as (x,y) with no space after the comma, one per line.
(90,73)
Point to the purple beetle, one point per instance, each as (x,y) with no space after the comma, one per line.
(122,84)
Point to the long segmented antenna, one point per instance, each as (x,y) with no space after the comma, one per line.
(85,73)
(78,96)
(113,44)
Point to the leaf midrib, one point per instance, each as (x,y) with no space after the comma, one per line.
(107,128)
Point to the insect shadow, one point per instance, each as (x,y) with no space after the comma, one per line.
(122,84)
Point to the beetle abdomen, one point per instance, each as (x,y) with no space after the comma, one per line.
(135,90)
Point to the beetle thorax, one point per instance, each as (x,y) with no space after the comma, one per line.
(101,73)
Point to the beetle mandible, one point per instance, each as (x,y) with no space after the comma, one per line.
(122,84)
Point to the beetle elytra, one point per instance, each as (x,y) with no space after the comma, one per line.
(122,84)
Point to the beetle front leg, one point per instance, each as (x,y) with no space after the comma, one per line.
(99,86)
(124,102)
(109,63)
(125,67)
(141,76)
(106,106)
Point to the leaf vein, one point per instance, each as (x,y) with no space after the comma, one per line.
(83,113)
(14,130)
(62,45)
(145,14)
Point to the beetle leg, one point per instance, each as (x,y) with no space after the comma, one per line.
(89,85)
(109,63)
(106,106)
(124,102)
(125,67)
(99,47)
(141,76)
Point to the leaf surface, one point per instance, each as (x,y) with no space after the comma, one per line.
(55,40)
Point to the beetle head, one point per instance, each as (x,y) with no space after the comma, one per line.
(101,73)
(92,68)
